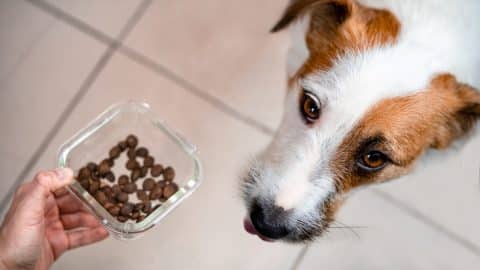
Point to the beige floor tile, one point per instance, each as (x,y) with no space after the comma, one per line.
(44,73)
(10,165)
(21,28)
(446,187)
(390,240)
(206,231)
(223,47)
(107,16)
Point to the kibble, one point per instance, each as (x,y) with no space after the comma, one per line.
(142,195)
(123,180)
(94,186)
(104,167)
(132,141)
(132,164)
(135,175)
(141,152)
(101,197)
(148,161)
(92,167)
(147,207)
(116,189)
(95,176)
(85,183)
(134,215)
(131,153)
(169,190)
(122,197)
(110,176)
(106,189)
(156,170)
(138,206)
(162,183)
(122,219)
(108,205)
(143,171)
(126,209)
(148,184)
(109,161)
(168,173)
(84,173)
(130,188)
(114,152)
(116,198)
(122,145)
(114,210)
(140,218)
(156,193)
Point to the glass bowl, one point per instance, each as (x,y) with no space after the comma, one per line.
(93,143)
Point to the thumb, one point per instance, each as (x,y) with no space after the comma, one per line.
(46,182)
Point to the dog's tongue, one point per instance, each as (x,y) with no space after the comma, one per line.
(247,224)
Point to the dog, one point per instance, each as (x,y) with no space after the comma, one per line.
(372,86)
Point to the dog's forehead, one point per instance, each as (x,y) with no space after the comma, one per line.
(359,80)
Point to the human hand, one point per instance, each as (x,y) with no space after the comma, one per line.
(44,221)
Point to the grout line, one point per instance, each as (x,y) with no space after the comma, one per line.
(132,21)
(151,64)
(300,257)
(145,61)
(38,37)
(428,221)
(91,78)
(214,101)
(58,124)
(73,21)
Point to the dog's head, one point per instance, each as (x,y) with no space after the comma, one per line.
(359,110)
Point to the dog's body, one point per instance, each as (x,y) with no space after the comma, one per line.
(372,85)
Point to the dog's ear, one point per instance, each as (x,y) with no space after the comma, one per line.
(332,11)
(462,112)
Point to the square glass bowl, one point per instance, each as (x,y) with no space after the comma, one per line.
(93,143)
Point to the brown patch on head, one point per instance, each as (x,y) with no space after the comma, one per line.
(404,127)
(337,27)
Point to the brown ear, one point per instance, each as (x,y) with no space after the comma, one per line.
(463,112)
(334,11)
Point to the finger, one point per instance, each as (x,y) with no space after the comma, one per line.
(50,204)
(78,220)
(69,204)
(61,192)
(86,237)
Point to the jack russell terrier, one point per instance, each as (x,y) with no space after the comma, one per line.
(372,85)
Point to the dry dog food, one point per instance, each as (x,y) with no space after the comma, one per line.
(149,182)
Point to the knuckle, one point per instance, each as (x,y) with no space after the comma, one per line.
(41,175)
(43,178)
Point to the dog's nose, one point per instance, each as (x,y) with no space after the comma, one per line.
(268,224)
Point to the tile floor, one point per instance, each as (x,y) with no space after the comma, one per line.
(61,66)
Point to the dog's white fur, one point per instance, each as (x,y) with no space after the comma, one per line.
(436,37)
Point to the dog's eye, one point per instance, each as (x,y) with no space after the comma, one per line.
(373,161)
(310,107)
